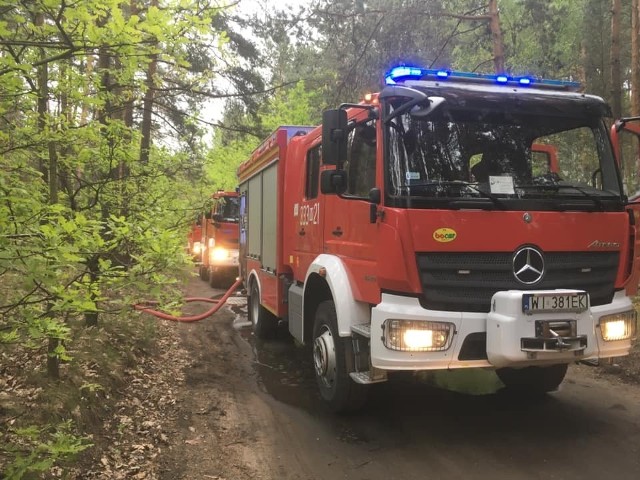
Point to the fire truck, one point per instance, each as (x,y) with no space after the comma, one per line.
(219,242)
(193,239)
(417,231)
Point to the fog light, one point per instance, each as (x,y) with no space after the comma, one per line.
(197,246)
(417,336)
(619,326)
(218,254)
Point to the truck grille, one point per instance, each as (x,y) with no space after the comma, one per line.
(467,281)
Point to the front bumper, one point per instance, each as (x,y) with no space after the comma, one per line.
(513,338)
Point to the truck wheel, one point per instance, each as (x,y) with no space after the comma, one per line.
(264,322)
(214,279)
(532,380)
(332,357)
(204,273)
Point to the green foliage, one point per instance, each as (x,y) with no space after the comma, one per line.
(291,106)
(222,163)
(107,222)
(36,450)
(288,106)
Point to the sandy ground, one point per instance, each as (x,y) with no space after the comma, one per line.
(249,410)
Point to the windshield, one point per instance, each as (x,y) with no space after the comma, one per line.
(228,208)
(504,159)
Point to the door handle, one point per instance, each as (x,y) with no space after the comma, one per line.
(337,232)
(301,232)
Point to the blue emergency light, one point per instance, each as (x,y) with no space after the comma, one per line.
(403,73)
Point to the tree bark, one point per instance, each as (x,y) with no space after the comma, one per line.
(53,361)
(496,37)
(147,105)
(616,74)
(635,58)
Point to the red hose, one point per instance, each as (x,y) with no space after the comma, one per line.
(194,318)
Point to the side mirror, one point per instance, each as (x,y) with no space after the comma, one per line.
(418,104)
(333,181)
(374,196)
(334,137)
(207,214)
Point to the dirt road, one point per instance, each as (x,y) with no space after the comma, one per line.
(249,410)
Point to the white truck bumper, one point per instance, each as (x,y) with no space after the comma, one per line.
(514,337)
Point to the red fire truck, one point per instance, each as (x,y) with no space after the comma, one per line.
(219,255)
(414,231)
(194,238)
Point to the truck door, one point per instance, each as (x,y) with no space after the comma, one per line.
(626,140)
(348,232)
(625,136)
(307,212)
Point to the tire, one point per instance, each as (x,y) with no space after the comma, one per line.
(264,322)
(215,279)
(532,380)
(332,360)
(222,278)
(204,273)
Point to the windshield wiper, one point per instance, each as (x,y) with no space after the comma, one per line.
(561,186)
(459,183)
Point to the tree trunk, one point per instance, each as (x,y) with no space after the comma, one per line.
(616,75)
(53,361)
(635,58)
(496,37)
(147,106)
(104,63)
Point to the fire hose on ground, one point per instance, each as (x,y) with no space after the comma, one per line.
(145,307)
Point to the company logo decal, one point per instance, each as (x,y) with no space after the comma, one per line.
(528,265)
(444,235)
(601,244)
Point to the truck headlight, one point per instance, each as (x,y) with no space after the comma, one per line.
(218,254)
(197,247)
(618,326)
(417,336)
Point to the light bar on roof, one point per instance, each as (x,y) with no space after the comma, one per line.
(403,73)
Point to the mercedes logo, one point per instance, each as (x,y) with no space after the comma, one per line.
(528,265)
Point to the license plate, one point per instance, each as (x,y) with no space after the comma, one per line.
(554,302)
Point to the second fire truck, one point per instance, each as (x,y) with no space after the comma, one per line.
(219,242)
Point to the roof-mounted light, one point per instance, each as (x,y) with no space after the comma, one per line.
(405,73)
